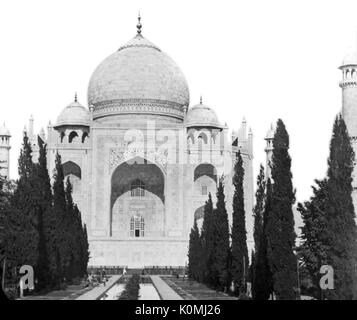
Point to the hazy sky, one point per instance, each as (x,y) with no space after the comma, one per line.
(259,59)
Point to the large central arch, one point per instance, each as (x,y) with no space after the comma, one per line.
(136,172)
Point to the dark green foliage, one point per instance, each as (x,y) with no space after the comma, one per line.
(131,291)
(314,247)
(280,228)
(341,229)
(240,261)
(221,242)
(194,253)
(262,277)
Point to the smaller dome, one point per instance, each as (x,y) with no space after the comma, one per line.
(4,131)
(350,59)
(74,114)
(201,115)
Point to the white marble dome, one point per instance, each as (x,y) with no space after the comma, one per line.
(201,115)
(139,72)
(74,114)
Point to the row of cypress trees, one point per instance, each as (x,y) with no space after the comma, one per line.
(43,226)
(217,256)
(329,234)
(274,263)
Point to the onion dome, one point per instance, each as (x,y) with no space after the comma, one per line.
(138,78)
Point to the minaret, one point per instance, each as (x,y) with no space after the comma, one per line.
(269,150)
(4,152)
(348,85)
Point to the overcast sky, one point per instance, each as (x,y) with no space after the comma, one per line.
(259,59)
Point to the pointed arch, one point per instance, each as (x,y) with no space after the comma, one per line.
(70,167)
(72,136)
(138,168)
(199,213)
(205,169)
(85,137)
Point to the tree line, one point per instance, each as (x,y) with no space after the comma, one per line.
(329,233)
(42,226)
(218,256)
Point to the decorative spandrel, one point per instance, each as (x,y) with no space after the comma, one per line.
(126,153)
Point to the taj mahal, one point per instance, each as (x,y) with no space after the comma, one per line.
(142,159)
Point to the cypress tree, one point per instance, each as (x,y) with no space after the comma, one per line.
(4,212)
(221,240)
(280,228)
(85,247)
(60,210)
(340,223)
(44,207)
(73,234)
(194,253)
(207,240)
(240,261)
(258,220)
(22,237)
(313,249)
(262,277)
(259,209)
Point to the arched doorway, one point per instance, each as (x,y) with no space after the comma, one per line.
(137,200)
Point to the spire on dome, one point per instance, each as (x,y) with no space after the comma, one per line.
(138,26)
(75,97)
(201,99)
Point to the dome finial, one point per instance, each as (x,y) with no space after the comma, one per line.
(75,97)
(201,99)
(138,26)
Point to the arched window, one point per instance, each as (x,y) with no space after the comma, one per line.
(137,226)
(190,140)
(72,136)
(137,188)
(62,136)
(347,74)
(203,137)
(84,136)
